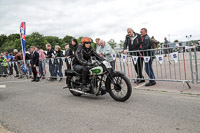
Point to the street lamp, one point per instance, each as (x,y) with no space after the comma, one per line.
(188,37)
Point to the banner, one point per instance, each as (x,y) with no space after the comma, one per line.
(114,56)
(69,60)
(52,60)
(23,36)
(175,56)
(135,58)
(124,57)
(160,58)
(146,59)
(63,59)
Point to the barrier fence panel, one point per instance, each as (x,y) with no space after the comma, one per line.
(197,63)
(174,64)
(177,64)
(48,68)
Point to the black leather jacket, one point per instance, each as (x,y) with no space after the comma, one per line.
(83,54)
(147,44)
(136,43)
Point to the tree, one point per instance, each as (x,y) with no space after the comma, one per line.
(112,43)
(121,44)
(176,41)
(79,39)
(3,39)
(35,39)
(54,41)
(68,39)
(13,37)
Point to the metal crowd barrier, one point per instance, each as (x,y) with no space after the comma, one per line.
(197,63)
(177,64)
(13,68)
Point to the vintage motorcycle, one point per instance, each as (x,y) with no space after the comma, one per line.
(102,79)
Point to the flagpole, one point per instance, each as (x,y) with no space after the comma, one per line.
(23,36)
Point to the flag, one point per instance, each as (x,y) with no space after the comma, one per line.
(69,60)
(63,59)
(124,57)
(160,58)
(146,59)
(135,58)
(114,56)
(175,56)
(23,36)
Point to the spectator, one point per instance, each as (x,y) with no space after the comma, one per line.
(18,59)
(34,63)
(165,45)
(147,44)
(42,60)
(3,64)
(98,45)
(75,45)
(58,62)
(50,54)
(29,57)
(9,58)
(15,51)
(68,50)
(68,54)
(106,51)
(132,43)
(155,44)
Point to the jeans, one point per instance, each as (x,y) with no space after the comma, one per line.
(29,69)
(42,68)
(16,69)
(10,68)
(4,70)
(139,67)
(149,70)
(51,69)
(58,70)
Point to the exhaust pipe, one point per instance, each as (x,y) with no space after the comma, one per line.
(81,92)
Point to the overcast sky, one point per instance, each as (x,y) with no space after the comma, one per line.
(103,18)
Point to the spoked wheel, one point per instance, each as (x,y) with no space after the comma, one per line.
(120,88)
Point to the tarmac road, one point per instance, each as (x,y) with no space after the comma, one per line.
(45,107)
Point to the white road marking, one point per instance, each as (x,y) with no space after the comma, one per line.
(2,86)
(139,86)
(13,81)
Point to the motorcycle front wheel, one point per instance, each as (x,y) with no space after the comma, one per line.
(119,87)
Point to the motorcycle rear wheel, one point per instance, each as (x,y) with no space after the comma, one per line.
(73,92)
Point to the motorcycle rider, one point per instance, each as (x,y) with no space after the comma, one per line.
(82,60)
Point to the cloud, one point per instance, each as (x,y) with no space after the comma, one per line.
(104,18)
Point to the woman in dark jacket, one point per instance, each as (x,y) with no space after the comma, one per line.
(58,62)
(68,54)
